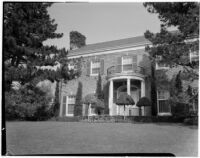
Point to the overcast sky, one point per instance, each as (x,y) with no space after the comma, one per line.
(101,22)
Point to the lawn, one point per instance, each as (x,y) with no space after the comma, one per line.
(76,137)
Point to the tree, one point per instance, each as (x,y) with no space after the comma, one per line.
(28,103)
(99,92)
(125,99)
(56,101)
(153,91)
(77,40)
(78,102)
(178,84)
(174,47)
(144,101)
(26,27)
(93,102)
(26,59)
(189,91)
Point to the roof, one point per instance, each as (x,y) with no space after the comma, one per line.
(110,45)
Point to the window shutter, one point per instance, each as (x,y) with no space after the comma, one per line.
(88,68)
(102,67)
(134,62)
(119,64)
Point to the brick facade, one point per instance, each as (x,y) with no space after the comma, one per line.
(89,82)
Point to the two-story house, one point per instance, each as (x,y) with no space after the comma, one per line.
(124,66)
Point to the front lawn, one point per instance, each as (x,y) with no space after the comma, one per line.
(76,137)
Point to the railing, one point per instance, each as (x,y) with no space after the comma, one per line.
(125,69)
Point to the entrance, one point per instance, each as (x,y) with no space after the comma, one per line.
(131,110)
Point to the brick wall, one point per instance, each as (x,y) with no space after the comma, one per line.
(89,82)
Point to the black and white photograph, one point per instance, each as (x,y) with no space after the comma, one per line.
(100,78)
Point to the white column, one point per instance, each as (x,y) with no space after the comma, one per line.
(128,86)
(90,110)
(66,106)
(142,94)
(111,98)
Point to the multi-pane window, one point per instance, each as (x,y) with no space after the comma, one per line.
(163,103)
(194,56)
(127,63)
(159,64)
(71,104)
(95,67)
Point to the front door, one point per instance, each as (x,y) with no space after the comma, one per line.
(131,110)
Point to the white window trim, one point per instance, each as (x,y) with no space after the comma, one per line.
(123,65)
(193,55)
(91,74)
(163,113)
(161,67)
(67,114)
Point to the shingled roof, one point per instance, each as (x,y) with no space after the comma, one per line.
(110,45)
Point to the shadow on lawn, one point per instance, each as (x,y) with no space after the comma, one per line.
(176,124)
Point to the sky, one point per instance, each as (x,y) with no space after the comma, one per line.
(101,22)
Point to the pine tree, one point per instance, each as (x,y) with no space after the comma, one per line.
(173,46)
(26,27)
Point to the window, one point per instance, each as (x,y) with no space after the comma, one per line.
(159,64)
(71,104)
(163,103)
(194,57)
(71,66)
(127,63)
(95,67)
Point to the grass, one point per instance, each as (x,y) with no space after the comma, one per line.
(25,138)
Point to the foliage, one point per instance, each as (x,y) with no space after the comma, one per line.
(26,59)
(178,84)
(105,97)
(27,26)
(99,91)
(153,91)
(78,102)
(89,99)
(28,103)
(174,47)
(125,99)
(56,101)
(77,40)
(144,101)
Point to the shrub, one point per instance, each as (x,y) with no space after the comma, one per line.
(180,109)
(28,103)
